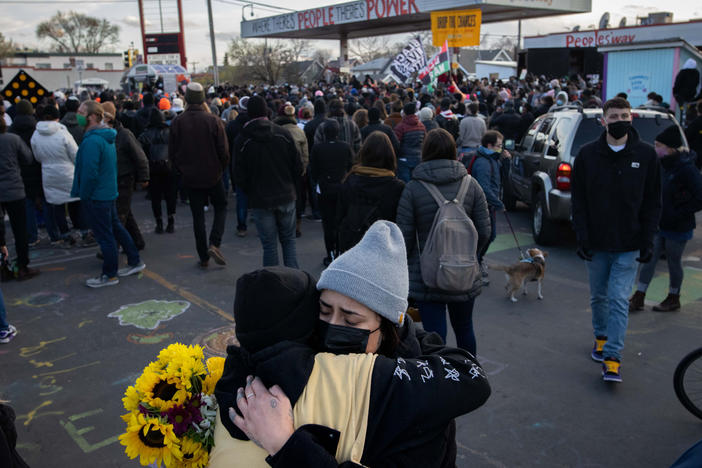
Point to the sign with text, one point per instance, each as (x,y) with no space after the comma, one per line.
(460,28)
(410,60)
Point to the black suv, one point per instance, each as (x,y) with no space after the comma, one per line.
(540,169)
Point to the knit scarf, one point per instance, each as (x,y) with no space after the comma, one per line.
(371,171)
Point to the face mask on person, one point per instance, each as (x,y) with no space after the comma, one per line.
(560,102)
(662,152)
(618,129)
(82,120)
(338,339)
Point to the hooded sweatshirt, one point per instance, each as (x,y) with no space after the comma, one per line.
(56,150)
(96,166)
(267,165)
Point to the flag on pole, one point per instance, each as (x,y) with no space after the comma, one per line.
(437,66)
(410,60)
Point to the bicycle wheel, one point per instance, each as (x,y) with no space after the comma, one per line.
(687,381)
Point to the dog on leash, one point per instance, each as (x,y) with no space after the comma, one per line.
(518,275)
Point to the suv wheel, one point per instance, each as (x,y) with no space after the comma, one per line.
(545,230)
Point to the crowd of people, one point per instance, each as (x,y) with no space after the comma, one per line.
(373,163)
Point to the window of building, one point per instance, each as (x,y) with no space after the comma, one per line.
(89,65)
(67,65)
(109,66)
(43,65)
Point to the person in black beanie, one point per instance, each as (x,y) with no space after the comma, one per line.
(375,125)
(681,188)
(268,168)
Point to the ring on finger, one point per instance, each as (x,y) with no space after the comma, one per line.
(250,395)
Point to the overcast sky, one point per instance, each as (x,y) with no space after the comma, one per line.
(19,20)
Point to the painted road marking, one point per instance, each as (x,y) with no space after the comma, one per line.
(690,291)
(506,242)
(187,295)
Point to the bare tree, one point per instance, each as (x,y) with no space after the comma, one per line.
(263,61)
(369,48)
(6,47)
(78,33)
(322,56)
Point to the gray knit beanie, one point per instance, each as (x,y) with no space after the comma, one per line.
(374,272)
(194,93)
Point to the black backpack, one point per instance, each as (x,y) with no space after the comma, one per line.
(450,125)
(363,211)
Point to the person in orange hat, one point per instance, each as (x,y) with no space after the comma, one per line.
(164,104)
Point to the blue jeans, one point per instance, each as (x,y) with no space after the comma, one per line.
(102,216)
(611,276)
(3,314)
(272,223)
(405,167)
(32,228)
(461,315)
(241,209)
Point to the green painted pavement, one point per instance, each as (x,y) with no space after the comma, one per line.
(506,242)
(690,291)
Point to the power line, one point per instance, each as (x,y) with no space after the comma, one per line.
(244,2)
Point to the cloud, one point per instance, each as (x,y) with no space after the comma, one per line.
(223,36)
(134,21)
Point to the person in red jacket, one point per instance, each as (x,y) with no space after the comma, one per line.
(410,132)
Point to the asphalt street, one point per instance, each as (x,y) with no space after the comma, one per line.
(78,349)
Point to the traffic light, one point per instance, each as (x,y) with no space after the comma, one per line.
(127,58)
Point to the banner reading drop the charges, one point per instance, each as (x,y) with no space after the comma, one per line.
(459,28)
(410,60)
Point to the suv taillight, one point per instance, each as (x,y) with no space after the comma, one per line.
(563,176)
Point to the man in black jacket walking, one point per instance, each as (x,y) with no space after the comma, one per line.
(616,203)
(268,169)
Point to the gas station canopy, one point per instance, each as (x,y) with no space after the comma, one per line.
(364,18)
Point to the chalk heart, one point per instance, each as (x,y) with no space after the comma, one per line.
(149,314)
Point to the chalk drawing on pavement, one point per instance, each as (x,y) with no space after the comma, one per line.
(215,342)
(151,338)
(41,299)
(149,314)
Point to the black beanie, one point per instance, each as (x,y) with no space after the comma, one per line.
(320,108)
(373,114)
(410,108)
(670,137)
(256,107)
(274,304)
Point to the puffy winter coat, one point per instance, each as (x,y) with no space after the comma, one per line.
(681,188)
(348,132)
(410,133)
(13,155)
(96,166)
(299,136)
(55,149)
(24,125)
(415,215)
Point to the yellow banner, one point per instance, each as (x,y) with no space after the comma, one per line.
(460,28)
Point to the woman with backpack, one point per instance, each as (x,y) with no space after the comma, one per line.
(163,184)
(370,191)
(416,214)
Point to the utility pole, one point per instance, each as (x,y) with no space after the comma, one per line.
(215,71)
(194,66)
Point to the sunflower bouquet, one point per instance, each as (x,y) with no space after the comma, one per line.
(172,409)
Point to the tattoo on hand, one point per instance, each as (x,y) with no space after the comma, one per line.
(274,403)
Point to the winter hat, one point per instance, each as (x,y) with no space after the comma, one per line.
(24,107)
(374,272)
(274,304)
(289,111)
(164,104)
(177,105)
(318,93)
(243,103)
(257,107)
(410,108)
(670,137)
(194,93)
(425,114)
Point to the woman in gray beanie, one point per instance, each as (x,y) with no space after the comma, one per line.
(415,215)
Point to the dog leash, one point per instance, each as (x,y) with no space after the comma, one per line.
(521,253)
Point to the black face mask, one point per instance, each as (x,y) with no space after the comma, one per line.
(618,129)
(338,339)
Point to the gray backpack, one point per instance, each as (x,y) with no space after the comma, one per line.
(449,261)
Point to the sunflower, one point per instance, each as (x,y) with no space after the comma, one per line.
(158,392)
(150,440)
(215,366)
(194,454)
(131,399)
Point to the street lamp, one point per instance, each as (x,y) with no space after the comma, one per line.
(243,17)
